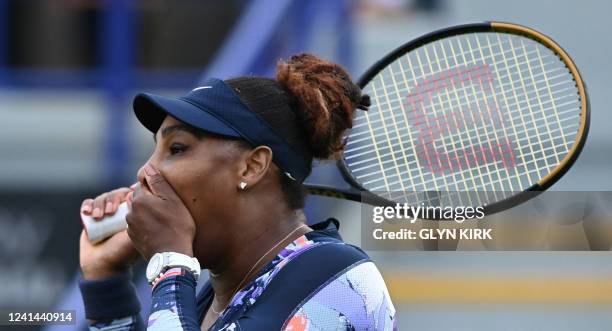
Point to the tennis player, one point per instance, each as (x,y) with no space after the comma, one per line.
(223,191)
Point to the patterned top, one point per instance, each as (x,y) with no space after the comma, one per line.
(354,299)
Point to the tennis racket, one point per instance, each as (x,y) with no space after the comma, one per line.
(480,114)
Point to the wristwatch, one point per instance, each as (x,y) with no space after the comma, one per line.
(160,262)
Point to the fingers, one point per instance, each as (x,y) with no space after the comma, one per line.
(129,198)
(110,206)
(105,204)
(142,190)
(87,206)
(115,199)
(99,206)
(157,183)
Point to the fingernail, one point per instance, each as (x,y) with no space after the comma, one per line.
(109,207)
(150,170)
(97,212)
(134,186)
(86,209)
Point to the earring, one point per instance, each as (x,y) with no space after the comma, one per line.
(242,185)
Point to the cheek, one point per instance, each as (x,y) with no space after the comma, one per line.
(202,185)
(187,179)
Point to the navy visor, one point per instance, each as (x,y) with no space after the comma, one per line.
(214,107)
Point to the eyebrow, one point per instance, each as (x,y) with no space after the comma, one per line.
(179,127)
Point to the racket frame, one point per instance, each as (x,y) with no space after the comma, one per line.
(360,194)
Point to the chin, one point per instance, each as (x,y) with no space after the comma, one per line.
(202,252)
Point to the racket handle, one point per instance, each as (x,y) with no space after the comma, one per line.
(98,230)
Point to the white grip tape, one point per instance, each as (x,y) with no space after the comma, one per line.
(98,230)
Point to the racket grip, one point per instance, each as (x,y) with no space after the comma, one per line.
(98,230)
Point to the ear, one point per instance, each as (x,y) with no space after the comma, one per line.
(255,165)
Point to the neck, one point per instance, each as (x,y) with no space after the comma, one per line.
(253,251)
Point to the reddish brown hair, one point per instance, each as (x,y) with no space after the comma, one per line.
(327,99)
(311,104)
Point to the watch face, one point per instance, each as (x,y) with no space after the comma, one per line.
(153,268)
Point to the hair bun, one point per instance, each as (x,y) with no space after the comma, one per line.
(364,103)
(326,100)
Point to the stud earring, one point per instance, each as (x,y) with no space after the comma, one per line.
(242,185)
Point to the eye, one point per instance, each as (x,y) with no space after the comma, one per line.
(177,148)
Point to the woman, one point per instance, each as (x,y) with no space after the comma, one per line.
(224,185)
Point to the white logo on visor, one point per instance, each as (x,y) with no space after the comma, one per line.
(201,88)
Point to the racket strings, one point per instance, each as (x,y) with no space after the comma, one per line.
(384,162)
(496,115)
(570,88)
(570,105)
(551,58)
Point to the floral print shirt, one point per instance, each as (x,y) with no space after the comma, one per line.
(355,299)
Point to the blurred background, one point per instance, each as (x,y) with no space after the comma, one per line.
(68,71)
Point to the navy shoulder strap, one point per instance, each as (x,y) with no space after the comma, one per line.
(296,281)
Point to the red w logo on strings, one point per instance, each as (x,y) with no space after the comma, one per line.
(459,123)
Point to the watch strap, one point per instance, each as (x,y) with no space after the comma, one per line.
(175,271)
(172,260)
